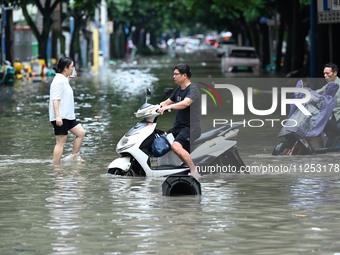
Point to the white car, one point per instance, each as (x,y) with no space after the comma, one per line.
(241,59)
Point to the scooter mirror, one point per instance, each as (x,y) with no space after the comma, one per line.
(167,91)
(148,94)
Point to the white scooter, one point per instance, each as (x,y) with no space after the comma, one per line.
(212,149)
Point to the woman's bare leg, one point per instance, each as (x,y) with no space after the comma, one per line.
(59,148)
(79,132)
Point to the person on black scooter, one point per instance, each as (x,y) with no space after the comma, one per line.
(332,128)
(186,99)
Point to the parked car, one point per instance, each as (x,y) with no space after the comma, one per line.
(240,59)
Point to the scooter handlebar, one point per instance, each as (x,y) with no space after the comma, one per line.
(149,111)
(169,110)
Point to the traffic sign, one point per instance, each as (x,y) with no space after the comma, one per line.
(328,11)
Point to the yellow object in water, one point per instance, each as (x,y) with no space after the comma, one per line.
(18,66)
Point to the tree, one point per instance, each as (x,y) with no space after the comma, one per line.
(192,16)
(42,33)
(81,11)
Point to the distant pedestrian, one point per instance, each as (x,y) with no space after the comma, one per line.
(332,129)
(61,111)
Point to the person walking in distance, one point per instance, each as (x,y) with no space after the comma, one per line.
(61,111)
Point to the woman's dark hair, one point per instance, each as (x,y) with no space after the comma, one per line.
(333,66)
(183,69)
(63,63)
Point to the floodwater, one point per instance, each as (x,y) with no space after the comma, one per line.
(289,206)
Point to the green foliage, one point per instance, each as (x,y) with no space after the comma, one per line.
(85,6)
(165,15)
(157,16)
(305,2)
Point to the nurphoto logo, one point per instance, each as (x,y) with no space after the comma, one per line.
(213,94)
(238,100)
(280,98)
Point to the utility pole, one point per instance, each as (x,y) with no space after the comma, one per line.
(328,13)
(1,32)
(312,36)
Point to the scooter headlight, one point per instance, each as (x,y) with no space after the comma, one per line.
(125,143)
(122,142)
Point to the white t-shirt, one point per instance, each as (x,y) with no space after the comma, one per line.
(61,90)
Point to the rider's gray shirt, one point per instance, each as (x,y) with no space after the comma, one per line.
(336,110)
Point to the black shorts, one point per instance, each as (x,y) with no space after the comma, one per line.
(67,125)
(184,136)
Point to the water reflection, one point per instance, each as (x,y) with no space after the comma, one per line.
(65,206)
(131,81)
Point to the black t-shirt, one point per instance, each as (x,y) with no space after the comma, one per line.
(191,113)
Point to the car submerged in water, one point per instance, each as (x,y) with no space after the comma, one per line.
(240,59)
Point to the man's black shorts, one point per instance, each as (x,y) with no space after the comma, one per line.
(67,125)
(184,136)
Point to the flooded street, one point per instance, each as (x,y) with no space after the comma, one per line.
(80,209)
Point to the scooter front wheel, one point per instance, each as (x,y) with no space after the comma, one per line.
(120,172)
(280,149)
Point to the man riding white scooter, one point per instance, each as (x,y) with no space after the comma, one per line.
(186,100)
(141,155)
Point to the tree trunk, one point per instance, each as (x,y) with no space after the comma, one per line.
(9,36)
(278,62)
(265,56)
